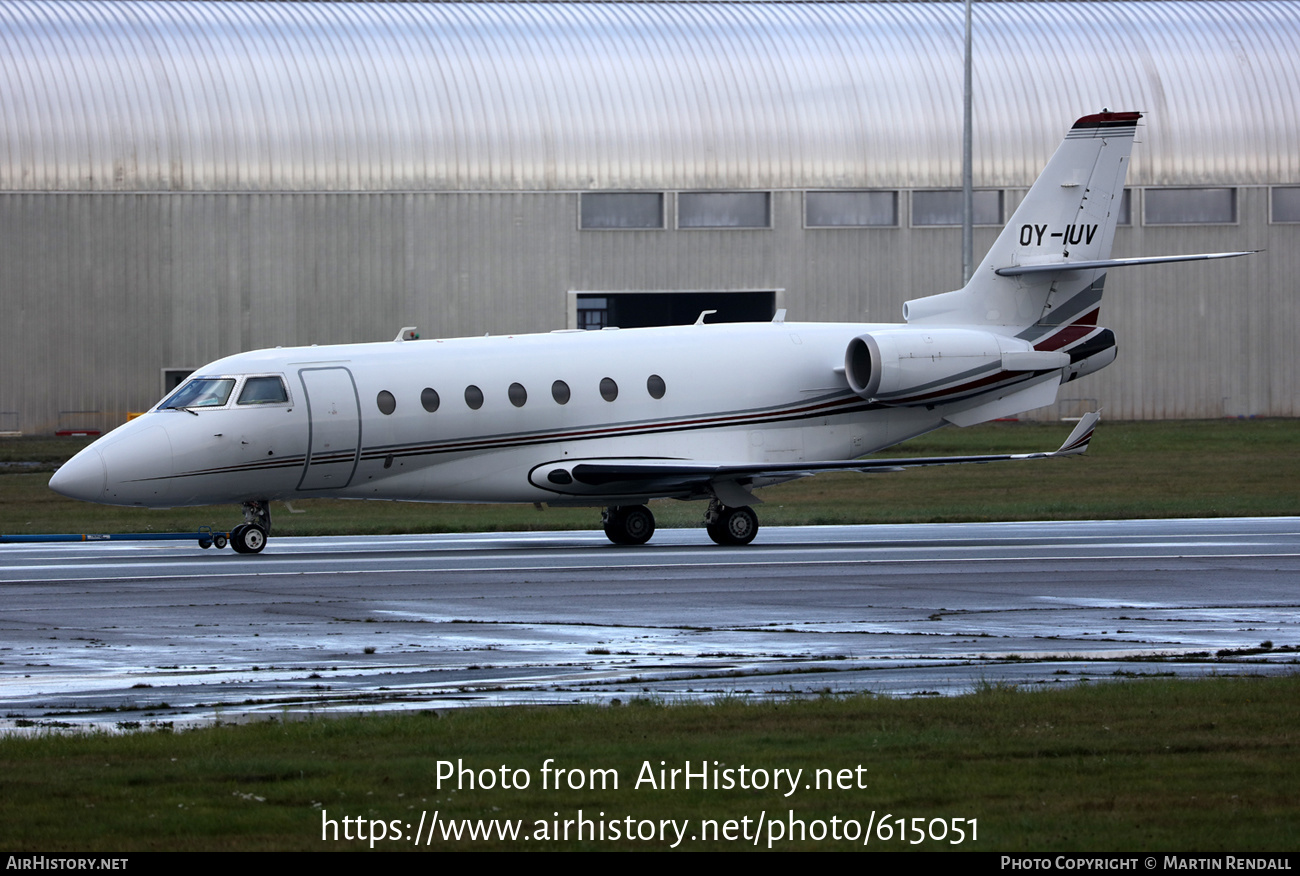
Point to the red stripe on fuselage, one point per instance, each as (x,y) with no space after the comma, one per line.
(1065,337)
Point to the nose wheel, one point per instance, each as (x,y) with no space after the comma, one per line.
(248,538)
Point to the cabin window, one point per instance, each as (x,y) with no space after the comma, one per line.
(263,391)
(518,395)
(205,392)
(560,392)
(429,398)
(724,210)
(473,397)
(387,404)
(654,385)
(850,209)
(608,389)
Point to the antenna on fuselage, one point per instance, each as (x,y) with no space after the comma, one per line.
(699,320)
(408,333)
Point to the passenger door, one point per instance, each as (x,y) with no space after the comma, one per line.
(334,415)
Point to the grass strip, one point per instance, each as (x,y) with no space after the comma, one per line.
(1187,766)
(1217,468)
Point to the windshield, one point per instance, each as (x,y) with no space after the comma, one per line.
(203,392)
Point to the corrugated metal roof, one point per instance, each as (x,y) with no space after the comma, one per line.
(132,95)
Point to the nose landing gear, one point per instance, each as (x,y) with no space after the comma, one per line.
(250,536)
(247,538)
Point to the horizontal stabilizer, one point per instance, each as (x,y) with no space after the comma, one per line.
(1097,264)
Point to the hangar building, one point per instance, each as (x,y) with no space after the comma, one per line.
(183,180)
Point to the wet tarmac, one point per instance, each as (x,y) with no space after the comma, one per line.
(122,634)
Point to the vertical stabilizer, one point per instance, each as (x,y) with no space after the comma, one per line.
(1069,215)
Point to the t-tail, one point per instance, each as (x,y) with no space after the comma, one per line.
(1042,279)
(1028,319)
(1066,221)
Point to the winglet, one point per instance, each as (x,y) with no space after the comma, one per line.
(1078,441)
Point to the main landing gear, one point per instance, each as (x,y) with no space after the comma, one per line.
(730,526)
(628,524)
(634,524)
(250,536)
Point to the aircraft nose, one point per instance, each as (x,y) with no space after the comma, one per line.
(82,477)
(137,468)
(130,466)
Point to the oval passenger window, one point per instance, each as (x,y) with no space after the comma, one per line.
(654,385)
(560,392)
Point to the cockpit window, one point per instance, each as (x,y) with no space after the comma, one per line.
(203,392)
(263,391)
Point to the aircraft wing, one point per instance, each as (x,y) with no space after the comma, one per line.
(730,482)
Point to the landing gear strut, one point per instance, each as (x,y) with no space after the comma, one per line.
(730,526)
(628,524)
(249,537)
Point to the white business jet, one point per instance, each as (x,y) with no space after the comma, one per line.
(615,418)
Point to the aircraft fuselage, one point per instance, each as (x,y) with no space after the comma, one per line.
(357,421)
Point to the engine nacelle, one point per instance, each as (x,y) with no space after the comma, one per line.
(907,367)
(1092,354)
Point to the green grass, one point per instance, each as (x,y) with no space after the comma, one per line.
(1150,469)
(1187,766)
(48,452)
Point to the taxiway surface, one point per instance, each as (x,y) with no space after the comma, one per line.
(133,633)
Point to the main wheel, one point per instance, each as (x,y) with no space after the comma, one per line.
(248,538)
(634,524)
(716,531)
(734,526)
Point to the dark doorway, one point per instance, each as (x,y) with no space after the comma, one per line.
(172,378)
(598,310)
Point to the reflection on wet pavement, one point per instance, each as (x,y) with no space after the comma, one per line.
(126,633)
